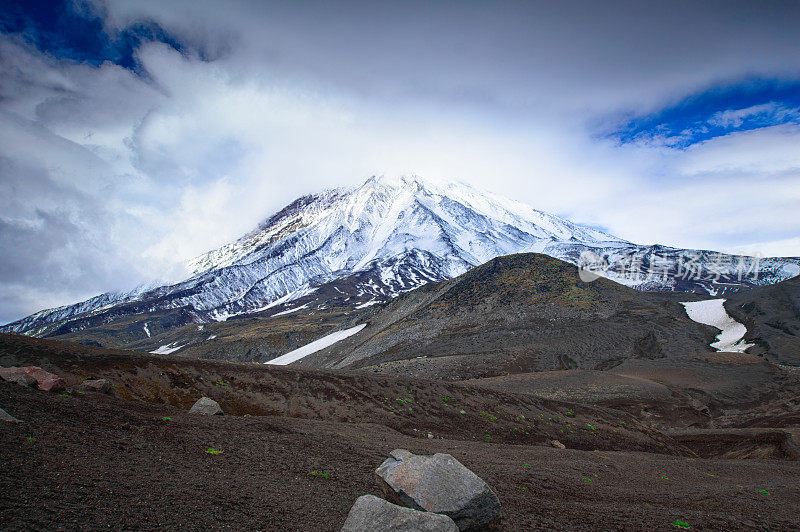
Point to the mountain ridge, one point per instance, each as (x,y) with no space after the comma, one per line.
(403,231)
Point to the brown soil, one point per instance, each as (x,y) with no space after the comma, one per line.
(94,461)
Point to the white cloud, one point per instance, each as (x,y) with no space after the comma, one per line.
(119,178)
(789,247)
(773,111)
(766,150)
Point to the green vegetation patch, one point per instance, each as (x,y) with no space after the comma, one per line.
(211,450)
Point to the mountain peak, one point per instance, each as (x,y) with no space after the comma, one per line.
(390,224)
(414,183)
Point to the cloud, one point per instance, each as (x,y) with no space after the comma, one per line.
(771,112)
(111,177)
(758,152)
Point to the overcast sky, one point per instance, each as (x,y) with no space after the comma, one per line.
(137,134)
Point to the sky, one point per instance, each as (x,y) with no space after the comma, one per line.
(135,135)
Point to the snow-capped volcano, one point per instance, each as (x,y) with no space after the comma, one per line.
(388,236)
(386,219)
(406,230)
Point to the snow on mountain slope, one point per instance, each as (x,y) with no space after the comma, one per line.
(392,234)
(712,312)
(316,345)
(385,217)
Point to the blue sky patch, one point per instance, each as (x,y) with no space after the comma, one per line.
(716,112)
(56,28)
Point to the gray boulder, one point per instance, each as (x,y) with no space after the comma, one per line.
(442,485)
(207,407)
(96,385)
(27,381)
(17,376)
(5,416)
(371,513)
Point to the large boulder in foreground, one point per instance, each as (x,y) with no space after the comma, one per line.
(207,407)
(370,513)
(47,381)
(442,485)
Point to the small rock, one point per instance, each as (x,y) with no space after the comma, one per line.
(5,416)
(207,407)
(47,381)
(557,444)
(440,484)
(96,385)
(370,513)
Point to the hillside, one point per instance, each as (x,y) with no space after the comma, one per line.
(772,317)
(516,314)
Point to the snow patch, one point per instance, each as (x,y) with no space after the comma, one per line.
(315,346)
(146,330)
(712,312)
(167,349)
(282,313)
(368,304)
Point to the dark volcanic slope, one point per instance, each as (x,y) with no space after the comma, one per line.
(515,314)
(704,391)
(772,317)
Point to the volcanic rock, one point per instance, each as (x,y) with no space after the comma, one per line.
(96,385)
(372,513)
(207,407)
(442,485)
(5,416)
(47,381)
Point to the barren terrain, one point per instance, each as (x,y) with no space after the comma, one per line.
(302,445)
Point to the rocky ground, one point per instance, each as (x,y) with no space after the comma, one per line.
(303,445)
